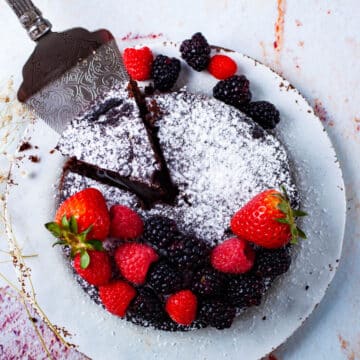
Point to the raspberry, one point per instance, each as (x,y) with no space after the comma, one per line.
(216,313)
(272,263)
(222,67)
(182,307)
(98,272)
(233,91)
(187,252)
(196,52)
(208,282)
(233,256)
(116,297)
(164,279)
(246,290)
(165,72)
(125,224)
(262,112)
(138,62)
(146,309)
(159,231)
(134,260)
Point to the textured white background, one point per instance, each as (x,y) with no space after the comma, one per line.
(320,55)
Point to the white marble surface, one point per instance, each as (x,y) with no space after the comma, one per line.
(319,55)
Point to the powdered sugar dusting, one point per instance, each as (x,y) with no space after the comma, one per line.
(113,139)
(217,157)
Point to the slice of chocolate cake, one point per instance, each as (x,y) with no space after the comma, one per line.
(109,142)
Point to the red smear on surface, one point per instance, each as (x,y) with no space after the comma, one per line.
(320,111)
(131,36)
(328,12)
(298,23)
(279,25)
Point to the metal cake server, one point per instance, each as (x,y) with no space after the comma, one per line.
(67,70)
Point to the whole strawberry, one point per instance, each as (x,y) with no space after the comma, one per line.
(268,220)
(182,307)
(233,256)
(138,63)
(134,260)
(126,224)
(222,67)
(98,272)
(116,297)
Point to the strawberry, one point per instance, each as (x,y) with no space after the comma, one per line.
(222,67)
(268,220)
(126,224)
(81,222)
(233,256)
(116,297)
(98,272)
(138,62)
(182,307)
(134,260)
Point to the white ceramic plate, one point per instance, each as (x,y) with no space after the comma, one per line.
(103,336)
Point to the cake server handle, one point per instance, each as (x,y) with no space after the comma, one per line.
(31,18)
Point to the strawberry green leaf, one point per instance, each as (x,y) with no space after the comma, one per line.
(54,228)
(60,242)
(96,244)
(299,213)
(283,207)
(301,233)
(85,233)
(73,225)
(65,222)
(282,220)
(84,260)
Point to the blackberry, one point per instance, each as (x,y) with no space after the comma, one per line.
(165,72)
(146,309)
(262,112)
(272,263)
(196,52)
(187,252)
(159,231)
(246,290)
(208,282)
(216,313)
(164,279)
(233,91)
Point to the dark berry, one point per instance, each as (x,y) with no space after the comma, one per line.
(233,91)
(196,52)
(208,282)
(159,231)
(187,252)
(165,72)
(262,112)
(272,263)
(164,279)
(246,290)
(146,309)
(216,313)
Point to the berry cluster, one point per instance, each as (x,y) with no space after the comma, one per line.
(157,275)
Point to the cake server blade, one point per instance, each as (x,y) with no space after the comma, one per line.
(67,70)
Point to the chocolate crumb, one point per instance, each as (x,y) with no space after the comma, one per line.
(307,287)
(25,146)
(52,151)
(264,317)
(34,158)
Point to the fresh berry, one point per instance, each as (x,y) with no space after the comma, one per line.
(233,91)
(138,63)
(222,67)
(268,220)
(182,307)
(165,72)
(81,223)
(245,290)
(160,231)
(98,272)
(196,52)
(146,309)
(116,297)
(187,252)
(134,260)
(233,256)
(272,263)
(126,224)
(208,282)
(164,279)
(262,112)
(216,313)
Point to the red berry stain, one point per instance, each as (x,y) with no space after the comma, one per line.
(328,12)
(131,36)
(298,22)
(279,25)
(320,111)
